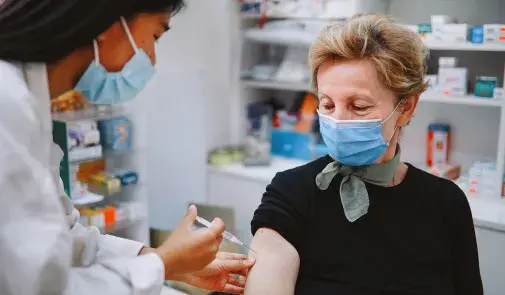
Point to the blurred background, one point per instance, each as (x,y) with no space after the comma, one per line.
(230,107)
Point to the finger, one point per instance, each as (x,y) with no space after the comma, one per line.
(219,240)
(231,256)
(233,289)
(242,272)
(236,265)
(190,217)
(217,227)
(238,281)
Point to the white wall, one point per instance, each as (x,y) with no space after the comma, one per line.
(187,110)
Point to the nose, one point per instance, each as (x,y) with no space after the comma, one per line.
(341,112)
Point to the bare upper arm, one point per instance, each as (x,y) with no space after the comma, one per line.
(274,255)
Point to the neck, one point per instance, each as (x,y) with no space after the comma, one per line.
(63,75)
(390,151)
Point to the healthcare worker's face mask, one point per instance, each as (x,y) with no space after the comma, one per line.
(354,142)
(102,87)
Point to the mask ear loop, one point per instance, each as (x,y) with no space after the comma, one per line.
(97,52)
(129,35)
(396,126)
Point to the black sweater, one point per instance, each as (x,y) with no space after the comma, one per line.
(417,238)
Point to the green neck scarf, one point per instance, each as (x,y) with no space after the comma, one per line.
(353,192)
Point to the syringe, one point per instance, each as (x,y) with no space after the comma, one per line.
(227,235)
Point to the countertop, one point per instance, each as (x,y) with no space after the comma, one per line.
(488,213)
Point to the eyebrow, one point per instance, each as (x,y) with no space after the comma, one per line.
(321,95)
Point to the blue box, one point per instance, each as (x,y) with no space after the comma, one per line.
(291,144)
(477,35)
(116,134)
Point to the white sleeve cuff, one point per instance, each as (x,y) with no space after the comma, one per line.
(111,247)
(145,273)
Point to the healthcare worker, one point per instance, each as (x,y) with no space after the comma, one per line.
(104,48)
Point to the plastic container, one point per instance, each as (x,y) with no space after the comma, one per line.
(438,144)
(484,86)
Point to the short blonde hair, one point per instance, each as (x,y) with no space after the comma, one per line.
(399,55)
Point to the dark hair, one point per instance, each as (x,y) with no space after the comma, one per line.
(49,30)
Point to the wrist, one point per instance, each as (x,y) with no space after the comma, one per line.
(170,275)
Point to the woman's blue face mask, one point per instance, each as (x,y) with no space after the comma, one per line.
(354,142)
(99,86)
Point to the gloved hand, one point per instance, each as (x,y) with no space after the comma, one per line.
(226,273)
(188,250)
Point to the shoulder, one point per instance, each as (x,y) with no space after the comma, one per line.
(446,192)
(12,82)
(17,103)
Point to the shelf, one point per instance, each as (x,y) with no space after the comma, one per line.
(88,200)
(257,16)
(301,38)
(120,225)
(464,100)
(276,85)
(89,114)
(465,47)
(426,97)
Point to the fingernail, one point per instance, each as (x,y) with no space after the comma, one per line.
(251,260)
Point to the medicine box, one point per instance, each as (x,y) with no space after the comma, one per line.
(477,35)
(442,19)
(453,81)
(447,62)
(291,144)
(494,29)
(451,29)
(484,86)
(499,93)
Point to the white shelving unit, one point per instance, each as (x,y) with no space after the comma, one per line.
(248,90)
(136,228)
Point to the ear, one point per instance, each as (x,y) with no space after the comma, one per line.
(111,33)
(408,107)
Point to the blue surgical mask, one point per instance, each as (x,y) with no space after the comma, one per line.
(354,142)
(99,86)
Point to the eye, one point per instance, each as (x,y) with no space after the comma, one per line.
(326,105)
(166,28)
(360,108)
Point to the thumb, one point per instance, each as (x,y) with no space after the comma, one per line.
(190,217)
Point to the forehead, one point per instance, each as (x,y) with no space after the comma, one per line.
(352,77)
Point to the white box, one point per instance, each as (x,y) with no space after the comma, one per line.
(447,62)
(490,39)
(453,81)
(499,93)
(451,29)
(449,38)
(442,19)
(494,29)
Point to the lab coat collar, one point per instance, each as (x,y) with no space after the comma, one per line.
(36,79)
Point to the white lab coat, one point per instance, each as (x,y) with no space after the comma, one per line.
(43,250)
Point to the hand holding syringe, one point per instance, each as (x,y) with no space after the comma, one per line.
(228,236)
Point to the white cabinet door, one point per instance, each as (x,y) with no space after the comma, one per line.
(492,260)
(242,194)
